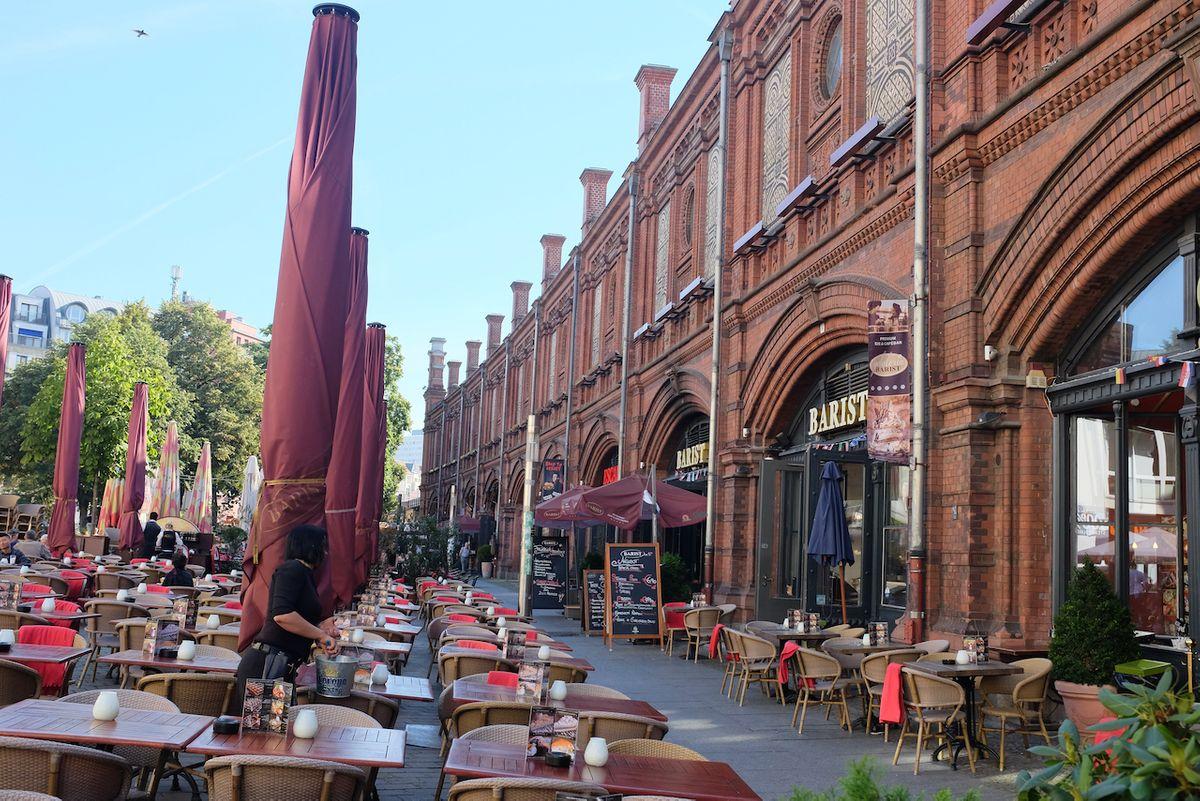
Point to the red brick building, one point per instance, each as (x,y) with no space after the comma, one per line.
(1065,180)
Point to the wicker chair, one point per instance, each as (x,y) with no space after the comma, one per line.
(488,713)
(1024,702)
(27,517)
(332,715)
(25,795)
(66,772)
(729,644)
(225,640)
(561,671)
(933,704)
(206,694)
(509,734)
(727,611)
(671,624)
(385,711)
(852,633)
(146,759)
(18,682)
(820,674)
(271,777)
(8,511)
(224,614)
(756,665)
(659,749)
(699,625)
(10,619)
(873,671)
(933,646)
(616,726)
(112,581)
(456,664)
(580,690)
(101,630)
(519,789)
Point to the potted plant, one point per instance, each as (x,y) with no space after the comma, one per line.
(485,560)
(1093,633)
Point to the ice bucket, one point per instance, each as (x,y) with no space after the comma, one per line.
(335,675)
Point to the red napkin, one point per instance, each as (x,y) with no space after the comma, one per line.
(461,619)
(530,636)
(712,643)
(477,645)
(785,656)
(891,708)
(502,611)
(502,678)
(160,589)
(67,608)
(232,605)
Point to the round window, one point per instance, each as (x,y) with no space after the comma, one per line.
(832,71)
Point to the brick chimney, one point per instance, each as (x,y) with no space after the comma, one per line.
(654,85)
(453,379)
(551,255)
(435,390)
(473,346)
(494,321)
(595,192)
(520,290)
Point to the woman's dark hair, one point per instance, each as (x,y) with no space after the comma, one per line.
(179,560)
(308,544)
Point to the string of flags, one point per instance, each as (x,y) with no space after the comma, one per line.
(1187,370)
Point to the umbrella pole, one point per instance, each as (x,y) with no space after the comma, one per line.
(653,507)
(842,589)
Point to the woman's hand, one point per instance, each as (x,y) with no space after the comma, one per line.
(329,645)
(329,626)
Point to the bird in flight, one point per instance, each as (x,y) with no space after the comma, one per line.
(140,33)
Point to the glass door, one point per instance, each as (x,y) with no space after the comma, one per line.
(781,527)
(825,582)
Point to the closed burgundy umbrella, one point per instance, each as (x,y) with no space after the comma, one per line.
(66,458)
(623,503)
(336,579)
(374,451)
(5,318)
(130,524)
(311,300)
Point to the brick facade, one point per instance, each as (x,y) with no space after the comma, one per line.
(1061,151)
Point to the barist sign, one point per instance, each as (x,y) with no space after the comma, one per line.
(846,411)
(691,457)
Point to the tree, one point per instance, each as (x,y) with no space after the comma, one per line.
(223,384)
(29,479)
(399,420)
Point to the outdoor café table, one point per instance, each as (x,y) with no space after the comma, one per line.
(570,661)
(71,617)
(73,723)
(630,775)
(398,688)
(965,676)
(783,634)
(37,595)
(389,649)
(59,654)
(539,642)
(200,664)
(350,745)
(406,629)
(466,692)
(864,649)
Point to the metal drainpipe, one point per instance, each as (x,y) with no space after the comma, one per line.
(458,438)
(916,560)
(503,438)
(476,501)
(724,52)
(442,465)
(625,323)
(571,372)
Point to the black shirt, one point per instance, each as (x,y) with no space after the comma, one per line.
(14,556)
(150,538)
(178,578)
(293,589)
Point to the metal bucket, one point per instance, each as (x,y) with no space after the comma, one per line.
(335,675)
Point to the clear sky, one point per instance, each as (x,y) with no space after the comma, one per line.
(126,155)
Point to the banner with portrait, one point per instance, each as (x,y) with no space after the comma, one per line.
(889,393)
(553,473)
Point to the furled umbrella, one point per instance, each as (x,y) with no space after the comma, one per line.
(166,483)
(5,314)
(110,505)
(829,541)
(374,451)
(338,576)
(66,458)
(251,484)
(311,301)
(130,524)
(199,508)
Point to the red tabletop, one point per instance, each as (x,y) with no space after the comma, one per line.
(469,692)
(630,775)
(366,748)
(24,652)
(401,688)
(73,723)
(201,664)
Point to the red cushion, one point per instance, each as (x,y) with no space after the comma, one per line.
(52,674)
(447,599)
(232,604)
(75,582)
(461,619)
(530,636)
(501,678)
(32,588)
(502,611)
(65,607)
(138,561)
(477,645)
(160,589)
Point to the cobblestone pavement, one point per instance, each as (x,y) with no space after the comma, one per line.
(757,739)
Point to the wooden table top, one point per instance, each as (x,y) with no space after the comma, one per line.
(61,654)
(380,647)
(783,633)
(201,664)
(571,661)
(469,692)
(37,595)
(366,748)
(73,723)
(406,629)
(56,615)
(495,640)
(955,671)
(630,775)
(867,649)
(400,688)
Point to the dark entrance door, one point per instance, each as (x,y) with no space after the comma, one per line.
(858,495)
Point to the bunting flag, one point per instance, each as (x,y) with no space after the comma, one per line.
(1159,361)
(1119,376)
(1187,374)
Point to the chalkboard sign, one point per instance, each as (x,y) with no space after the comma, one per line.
(549,572)
(632,591)
(593,601)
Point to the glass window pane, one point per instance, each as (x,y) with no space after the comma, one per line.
(853,487)
(1144,326)
(1153,525)
(895,538)
(791,533)
(1094,468)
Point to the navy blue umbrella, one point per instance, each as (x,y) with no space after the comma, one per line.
(829,540)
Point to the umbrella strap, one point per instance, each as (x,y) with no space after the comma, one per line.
(279,482)
(341,511)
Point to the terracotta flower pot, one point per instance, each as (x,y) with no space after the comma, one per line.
(1081,703)
(485,569)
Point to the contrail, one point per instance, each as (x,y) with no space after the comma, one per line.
(96,244)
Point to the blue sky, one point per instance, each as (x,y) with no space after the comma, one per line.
(125,155)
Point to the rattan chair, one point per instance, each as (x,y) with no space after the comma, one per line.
(10,619)
(384,710)
(819,674)
(25,795)
(101,631)
(756,665)
(1024,702)
(659,749)
(225,640)
(146,759)
(699,625)
(248,778)
(332,715)
(727,611)
(616,726)
(855,633)
(519,789)
(469,717)
(580,690)
(932,646)
(561,671)
(112,581)
(729,648)
(18,682)
(8,511)
(207,694)
(456,664)
(65,772)
(933,704)
(27,517)
(508,734)
(224,614)
(873,671)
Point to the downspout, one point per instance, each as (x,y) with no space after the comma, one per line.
(625,323)
(571,372)
(458,438)
(503,439)
(441,463)
(477,501)
(724,52)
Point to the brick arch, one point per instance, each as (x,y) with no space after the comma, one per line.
(599,438)
(667,409)
(1114,197)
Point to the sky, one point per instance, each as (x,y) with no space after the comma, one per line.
(127,155)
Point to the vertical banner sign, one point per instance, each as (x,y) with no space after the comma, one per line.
(549,572)
(889,393)
(553,471)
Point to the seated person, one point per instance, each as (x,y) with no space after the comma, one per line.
(9,553)
(179,575)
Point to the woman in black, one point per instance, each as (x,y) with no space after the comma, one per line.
(179,576)
(293,620)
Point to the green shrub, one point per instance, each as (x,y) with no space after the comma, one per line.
(485,553)
(1093,631)
(676,581)
(862,784)
(592,560)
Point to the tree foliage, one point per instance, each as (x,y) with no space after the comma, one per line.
(1093,630)
(28,478)
(399,414)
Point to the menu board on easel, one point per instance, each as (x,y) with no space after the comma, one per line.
(593,601)
(632,590)
(549,572)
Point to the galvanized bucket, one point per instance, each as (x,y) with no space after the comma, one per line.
(335,675)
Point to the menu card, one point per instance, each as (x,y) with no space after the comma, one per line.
(976,646)
(10,595)
(879,633)
(368,614)
(531,680)
(266,704)
(185,608)
(513,646)
(698,600)
(552,729)
(163,632)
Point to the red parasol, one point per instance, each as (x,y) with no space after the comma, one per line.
(66,458)
(623,503)
(311,301)
(5,315)
(336,580)
(374,451)
(135,470)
